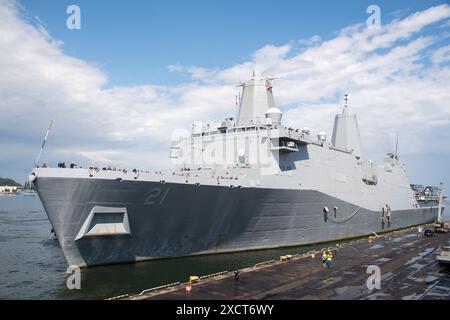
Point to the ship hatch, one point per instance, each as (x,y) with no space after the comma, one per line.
(105,221)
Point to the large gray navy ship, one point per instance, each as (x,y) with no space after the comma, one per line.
(249,183)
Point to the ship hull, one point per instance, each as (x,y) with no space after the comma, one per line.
(175,219)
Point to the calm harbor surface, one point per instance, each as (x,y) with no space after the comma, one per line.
(33,266)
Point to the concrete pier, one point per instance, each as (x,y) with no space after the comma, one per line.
(406,260)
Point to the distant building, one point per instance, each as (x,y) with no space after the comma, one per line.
(8,189)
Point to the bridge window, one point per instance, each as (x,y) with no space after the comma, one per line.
(370,182)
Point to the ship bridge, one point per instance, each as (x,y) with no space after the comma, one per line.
(257,134)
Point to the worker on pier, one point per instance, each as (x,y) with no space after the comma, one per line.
(329,259)
(324,258)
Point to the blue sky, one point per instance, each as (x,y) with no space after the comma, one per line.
(137,71)
(135,41)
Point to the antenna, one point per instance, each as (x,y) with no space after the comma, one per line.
(396,146)
(346,100)
(441,202)
(43,143)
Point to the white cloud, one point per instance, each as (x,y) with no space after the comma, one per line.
(441,55)
(311,41)
(391,88)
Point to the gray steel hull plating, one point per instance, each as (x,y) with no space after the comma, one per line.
(172,219)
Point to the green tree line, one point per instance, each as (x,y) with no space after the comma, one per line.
(8,182)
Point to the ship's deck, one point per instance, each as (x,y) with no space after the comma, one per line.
(407,261)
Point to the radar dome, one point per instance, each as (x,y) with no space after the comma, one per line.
(274,114)
(322,136)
